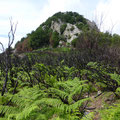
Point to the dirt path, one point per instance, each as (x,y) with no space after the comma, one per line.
(98,103)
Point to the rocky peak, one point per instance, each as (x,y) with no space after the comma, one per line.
(59,28)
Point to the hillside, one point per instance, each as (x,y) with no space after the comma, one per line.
(59,30)
(78,81)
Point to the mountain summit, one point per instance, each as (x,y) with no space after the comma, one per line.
(59,30)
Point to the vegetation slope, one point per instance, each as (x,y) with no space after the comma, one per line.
(81,82)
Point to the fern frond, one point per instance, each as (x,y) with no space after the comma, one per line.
(8,109)
(60,93)
(63,85)
(77,90)
(27,96)
(26,112)
(3,119)
(77,104)
(50,101)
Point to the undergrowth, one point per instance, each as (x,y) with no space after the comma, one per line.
(46,92)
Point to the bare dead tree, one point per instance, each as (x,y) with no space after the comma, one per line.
(99,19)
(112,26)
(6,55)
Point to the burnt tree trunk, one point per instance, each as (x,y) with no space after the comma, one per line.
(7,57)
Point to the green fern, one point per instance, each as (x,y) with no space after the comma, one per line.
(111,113)
(56,96)
(89,116)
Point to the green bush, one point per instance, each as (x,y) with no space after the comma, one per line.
(55,39)
(39,38)
(62,28)
(116,40)
(74,42)
(111,113)
(72,28)
(80,26)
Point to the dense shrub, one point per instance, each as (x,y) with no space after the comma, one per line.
(88,40)
(62,28)
(39,38)
(74,41)
(116,40)
(80,26)
(72,28)
(70,17)
(55,39)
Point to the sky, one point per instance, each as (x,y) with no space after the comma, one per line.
(31,13)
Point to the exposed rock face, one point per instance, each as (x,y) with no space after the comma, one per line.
(92,25)
(71,32)
(55,26)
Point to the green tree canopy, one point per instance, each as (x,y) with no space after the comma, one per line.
(39,38)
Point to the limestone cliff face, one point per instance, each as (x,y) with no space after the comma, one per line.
(71,31)
(55,26)
(68,25)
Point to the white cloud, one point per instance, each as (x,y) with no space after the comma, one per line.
(109,11)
